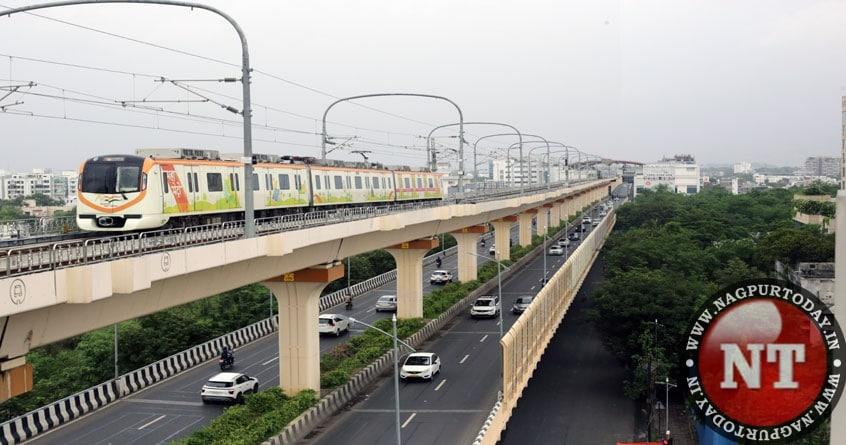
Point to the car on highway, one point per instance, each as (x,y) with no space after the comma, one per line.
(521,304)
(387,303)
(487,306)
(586,220)
(492,250)
(603,214)
(574,236)
(556,250)
(333,324)
(421,365)
(228,387)
(440,277)
(563,242)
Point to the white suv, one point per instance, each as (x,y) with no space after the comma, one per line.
(487,306)
(440,277)
(228,387)
(333,324)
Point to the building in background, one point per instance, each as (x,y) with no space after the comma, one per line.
(679,173)
(822,166)
(61,186)
(742,168)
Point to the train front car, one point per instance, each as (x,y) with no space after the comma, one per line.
(113,196)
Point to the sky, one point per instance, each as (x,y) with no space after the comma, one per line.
(726,81)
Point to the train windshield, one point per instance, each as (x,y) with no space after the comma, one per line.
(112,174)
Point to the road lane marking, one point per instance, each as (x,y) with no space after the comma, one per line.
(440,384)
(371,309)
(406,420)
(483,338)
(464,359)
(151,422)
(270,361)
(497,322)
(533,287)
(163,402)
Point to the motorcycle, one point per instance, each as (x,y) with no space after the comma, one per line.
(349,305)
(226,362)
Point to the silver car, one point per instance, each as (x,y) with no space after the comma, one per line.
(387,303)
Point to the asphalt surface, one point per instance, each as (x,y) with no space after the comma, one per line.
(451,408)
(576,393)
(172,409)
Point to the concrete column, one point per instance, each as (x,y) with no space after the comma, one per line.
(525,220)
(555,214)
(298,295)
(409,258)
(467,239)
(502,237)
(542,220)
(15,377)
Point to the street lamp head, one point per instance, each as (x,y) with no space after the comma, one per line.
(394,317)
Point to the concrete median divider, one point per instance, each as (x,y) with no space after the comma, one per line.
(41,420)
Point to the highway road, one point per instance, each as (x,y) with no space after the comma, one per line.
(452,408)
(172,408)
(576,394)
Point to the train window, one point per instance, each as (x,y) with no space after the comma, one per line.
(317,182)
(237,181)
(196,183)
(384,184)
(255,181)
(349,184)
(298,182)
(326,182)
(375,182)
(367,182)
(190,183)
(268,181)
(420,183)
(215,182)
(284,182)
(164,182)
(358,182)
(431,183)
(339,182)
(407,182)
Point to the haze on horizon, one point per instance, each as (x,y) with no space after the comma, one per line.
(726,81)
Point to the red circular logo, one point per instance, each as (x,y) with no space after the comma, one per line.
(764,361)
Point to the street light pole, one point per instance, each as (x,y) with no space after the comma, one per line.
(667,385)
(246,111)
(396,380)
(396,367)
(116,351)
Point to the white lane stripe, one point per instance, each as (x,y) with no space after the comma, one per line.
(408,420)
(483,338)
(271,361)
(464,359)
(371,309)
(440,384)
(151,422)
(497,322)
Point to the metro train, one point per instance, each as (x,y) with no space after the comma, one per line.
(161,188)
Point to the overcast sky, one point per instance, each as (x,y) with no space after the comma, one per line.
(723,80)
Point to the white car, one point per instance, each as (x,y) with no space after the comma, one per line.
(333,324)
(563,242)
(440,277)
(386,303)
(487,306)
(603,214)
(420,365)
(586,220)
(556,250)
(492,250)
(228,387)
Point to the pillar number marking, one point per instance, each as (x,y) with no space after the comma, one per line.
(288,277)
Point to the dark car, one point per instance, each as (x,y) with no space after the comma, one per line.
(521,304)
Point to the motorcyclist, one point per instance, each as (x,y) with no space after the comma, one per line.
(483,242)
(349,302)
(227,356)
(438,261)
